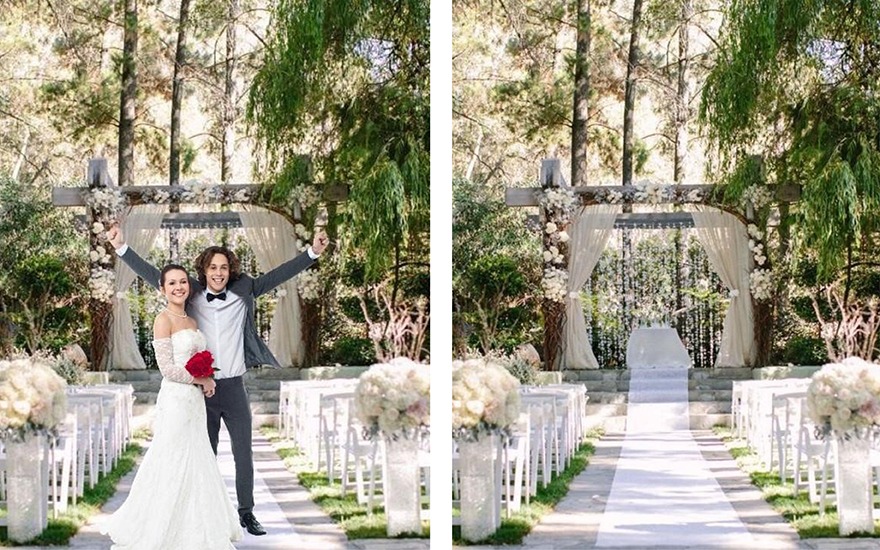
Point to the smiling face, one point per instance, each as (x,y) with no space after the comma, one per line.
(217,273)
(175,286)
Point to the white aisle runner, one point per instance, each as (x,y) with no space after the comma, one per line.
(664,493)
(279,532)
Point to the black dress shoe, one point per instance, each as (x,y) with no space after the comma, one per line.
(249,522)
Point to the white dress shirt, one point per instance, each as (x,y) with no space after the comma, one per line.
(222,323)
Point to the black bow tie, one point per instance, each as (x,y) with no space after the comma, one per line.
(221,296)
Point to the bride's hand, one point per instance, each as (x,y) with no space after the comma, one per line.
(209,386)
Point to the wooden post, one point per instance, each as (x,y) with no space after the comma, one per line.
(101,312)
(553,311)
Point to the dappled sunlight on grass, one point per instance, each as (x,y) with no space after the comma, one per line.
(797,509)
(515,528)
(351,516)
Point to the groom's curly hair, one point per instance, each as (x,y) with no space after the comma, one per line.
(203,262)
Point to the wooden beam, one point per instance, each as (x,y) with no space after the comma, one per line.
(192,220)
(73,196)
(528,196)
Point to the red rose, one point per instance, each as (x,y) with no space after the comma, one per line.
(201,365)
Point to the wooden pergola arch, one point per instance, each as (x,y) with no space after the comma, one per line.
(551,177)
(259,195)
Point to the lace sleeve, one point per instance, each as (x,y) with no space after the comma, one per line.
(165,360)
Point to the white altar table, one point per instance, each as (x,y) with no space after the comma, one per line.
(653,347)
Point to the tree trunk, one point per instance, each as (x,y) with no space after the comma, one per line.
(580,115)
(229,95)
(629,97)
(176,103)
(683,96)
(128,99)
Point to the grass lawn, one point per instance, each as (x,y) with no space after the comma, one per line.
(514,529)
(344,510)
(795,508)
(64,527)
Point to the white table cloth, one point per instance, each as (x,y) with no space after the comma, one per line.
(654,347)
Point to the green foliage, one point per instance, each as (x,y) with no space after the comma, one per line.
(804,350)
(786,86)
(350,350)
(522,370)
(350,80)
(43,281)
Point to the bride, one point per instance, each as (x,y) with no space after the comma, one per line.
(178,498)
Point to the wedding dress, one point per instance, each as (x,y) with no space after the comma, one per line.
(178,500)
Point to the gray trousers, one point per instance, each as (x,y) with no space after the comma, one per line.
(230,403)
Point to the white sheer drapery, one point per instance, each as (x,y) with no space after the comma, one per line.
(726,243)
(140,228)
(273,241)
(589,234)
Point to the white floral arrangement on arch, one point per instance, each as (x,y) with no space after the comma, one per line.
(843,399)
(485,399)
(756,195)
(107,205)
(308,284)
(394,399)
(33,398)
(761,277)
(558,205)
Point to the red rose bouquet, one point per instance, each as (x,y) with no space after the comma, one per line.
(201,365)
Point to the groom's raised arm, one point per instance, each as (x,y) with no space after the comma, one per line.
(291,268)
(145,270)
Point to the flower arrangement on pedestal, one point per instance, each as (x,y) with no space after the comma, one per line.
(32,398)
(394,399)
(485,399)
(485,403)
(843,399)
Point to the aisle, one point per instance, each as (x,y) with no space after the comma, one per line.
(664,493)
(660,485)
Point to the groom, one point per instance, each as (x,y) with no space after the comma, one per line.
(222,302)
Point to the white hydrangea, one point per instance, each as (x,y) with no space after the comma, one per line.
(200,192)
(757,195)
(106,201)
(306,195)
(485,398)
(394,399)
(843,399)
(694,195)
(101,284)
(652,193)
(761,284)
(161,197)
(99,255)
(33,398)
(555,284)
(308,285)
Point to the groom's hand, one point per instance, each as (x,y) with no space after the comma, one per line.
(320,242)
(115,236)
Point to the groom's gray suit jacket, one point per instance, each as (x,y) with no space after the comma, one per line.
(256,352)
